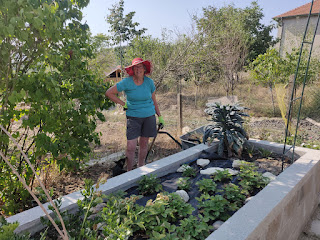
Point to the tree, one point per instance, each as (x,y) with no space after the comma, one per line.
(49,99)
(104,56)
(226,40)
(122,27)
(260,34)
(269,69)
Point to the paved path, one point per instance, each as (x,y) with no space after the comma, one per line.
(312,230)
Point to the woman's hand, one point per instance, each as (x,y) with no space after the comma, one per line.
(161,122)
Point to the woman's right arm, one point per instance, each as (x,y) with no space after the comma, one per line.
(111,93)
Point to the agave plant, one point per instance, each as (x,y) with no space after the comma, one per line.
(227,127)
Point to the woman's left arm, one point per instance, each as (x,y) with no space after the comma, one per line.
(156,104)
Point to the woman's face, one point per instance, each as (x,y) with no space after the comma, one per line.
(139,70)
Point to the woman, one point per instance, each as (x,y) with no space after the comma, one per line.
(141,107)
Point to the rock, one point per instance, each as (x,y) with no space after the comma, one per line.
(237,163)
(183,168)
(185,130)
(203,162)
(314,228)
(183,194)
(270,176)
(211,171)
(98,208)
(232,172)
(248,200)
(217,224)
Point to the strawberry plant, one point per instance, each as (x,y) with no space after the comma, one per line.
(189,172)
(207,186)
(193,228)
(233,194)
(250,179)
(213,207)
(222,175)
(149,184)
(227,127)
(184,183)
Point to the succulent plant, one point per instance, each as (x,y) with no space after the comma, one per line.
(227,127)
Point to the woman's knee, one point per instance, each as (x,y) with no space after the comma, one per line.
(131,145)
(143,142)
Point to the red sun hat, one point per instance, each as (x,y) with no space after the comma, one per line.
(136,61)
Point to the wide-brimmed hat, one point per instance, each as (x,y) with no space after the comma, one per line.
(137,61)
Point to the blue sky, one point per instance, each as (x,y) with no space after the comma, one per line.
(156,15)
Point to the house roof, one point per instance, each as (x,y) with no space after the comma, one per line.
(116,69)
(302,10)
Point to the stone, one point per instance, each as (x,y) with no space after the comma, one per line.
(183,168)
(315,228)
(98,208)
(237,163)
(248,200)
(217,224)
(185,130)
(203,162)
(211,171)
(183,194)
(270,176)
(233,172)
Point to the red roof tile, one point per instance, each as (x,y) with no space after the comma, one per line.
(302,10)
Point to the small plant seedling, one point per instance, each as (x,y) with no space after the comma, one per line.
(207,186)
(250,178)
(189,172)
(184,183)
(149,184)
(222,175)
(233,194)
(265,153)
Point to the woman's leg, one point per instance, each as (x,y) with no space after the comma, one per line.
(143,149)
(131,149)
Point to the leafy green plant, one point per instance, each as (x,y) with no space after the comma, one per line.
(233,194)
(189,172)
(193,228)
(222,175)
(213,207)
(184,183)
(250,178)
(160,213)
(207,186)
(121,216)
(265,152)
(7,231)
(48,92)
(227,127)
(149,184)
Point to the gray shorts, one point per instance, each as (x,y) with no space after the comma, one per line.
(141,127)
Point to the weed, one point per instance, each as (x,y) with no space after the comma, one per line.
(265,152)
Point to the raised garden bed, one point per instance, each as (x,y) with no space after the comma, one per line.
(276,204)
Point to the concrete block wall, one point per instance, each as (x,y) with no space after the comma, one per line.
(283,208)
